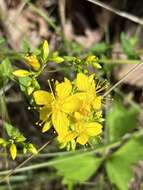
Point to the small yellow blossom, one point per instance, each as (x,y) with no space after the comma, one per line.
(21,73)
(33,61)
(86,130)
(13,151)
(45,49)
(60,105)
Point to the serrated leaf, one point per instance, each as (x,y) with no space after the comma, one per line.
(120,165)
(120,121)
(77,168)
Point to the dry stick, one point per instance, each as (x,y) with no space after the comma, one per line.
(62,6)
(118,12)
(23,163)
(134,68)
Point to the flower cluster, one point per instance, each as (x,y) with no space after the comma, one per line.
(74,109)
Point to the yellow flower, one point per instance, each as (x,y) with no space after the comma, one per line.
(86,130)
(64,104)
(60,105)
(88,93)
(33,61)
(74,110)
(85,83)
(83,131)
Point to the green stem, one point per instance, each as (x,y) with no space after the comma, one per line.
(70,186)
(118,61)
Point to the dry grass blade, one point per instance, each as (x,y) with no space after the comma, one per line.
(134,68)
(118,12)
(62,6)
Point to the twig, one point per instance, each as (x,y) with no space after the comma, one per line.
(118,12)
(62,5)
(134,68)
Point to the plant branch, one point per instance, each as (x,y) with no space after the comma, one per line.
(118,12)
(134,68)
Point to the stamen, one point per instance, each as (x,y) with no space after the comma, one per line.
(51,89)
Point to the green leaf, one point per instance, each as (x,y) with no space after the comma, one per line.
(77,168)
(120,121)
(5,71)
(56,58)
(13,132)
(128,46)
(100,48)
(2,41)
(25,46)
(32,149)
(120,165)
(45,50)
(24,82)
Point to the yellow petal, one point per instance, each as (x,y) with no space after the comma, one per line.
(68,137)
(33,61)
(82,82)
(46,126)
(21,73)
(13,151)
(71,104)
(78,116)
(60,122)
(64,89)
(42,97)
(97,103)
(30,89)
(94,129)
(82,139)
(44,113)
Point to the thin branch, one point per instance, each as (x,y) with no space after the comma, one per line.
(134,68)
(118,12)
